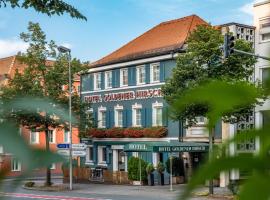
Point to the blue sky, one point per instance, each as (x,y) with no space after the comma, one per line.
(112,23)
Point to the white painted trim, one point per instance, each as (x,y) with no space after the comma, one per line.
(118,147)
(124,88)
(154,113)
(68,136)
(152,72)
(19,165)
(106,75)
(140,67)
(53,136)
(96,77)
(101,110)
(134,62)
(118,108)
(136,107)
(37,138)
(121,77)
(100,156)
(87,160)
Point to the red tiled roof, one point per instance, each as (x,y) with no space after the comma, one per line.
(163,38)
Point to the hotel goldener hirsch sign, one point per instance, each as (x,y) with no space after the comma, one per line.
(124,96)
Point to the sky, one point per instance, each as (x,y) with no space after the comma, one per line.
(112,23)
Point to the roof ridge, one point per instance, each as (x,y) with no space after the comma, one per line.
(176,20)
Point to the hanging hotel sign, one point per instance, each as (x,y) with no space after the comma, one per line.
(124,96)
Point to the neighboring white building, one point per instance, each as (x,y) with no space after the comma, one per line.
(262,47)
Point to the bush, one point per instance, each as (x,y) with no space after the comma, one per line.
(160,167)
(114,133)
(155,132)
(133,132)
(150,168)
(29,184)
(134,169)
(177,166)
(97,133)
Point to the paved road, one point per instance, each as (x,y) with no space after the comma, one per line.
(96,192)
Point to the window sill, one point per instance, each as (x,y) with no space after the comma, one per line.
(123,85)
(155,81)
(103,163)
(141,83)
(16,170)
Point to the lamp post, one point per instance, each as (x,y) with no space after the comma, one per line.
(63,49)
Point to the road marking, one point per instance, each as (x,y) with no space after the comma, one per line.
(35,196)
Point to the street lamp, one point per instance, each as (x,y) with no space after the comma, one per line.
(63,49)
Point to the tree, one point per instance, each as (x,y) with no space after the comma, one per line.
(42,78)
(49,7)
(202,62)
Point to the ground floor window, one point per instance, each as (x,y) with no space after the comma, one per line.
(15,165)
(102,155)
(53,166)
(157,114)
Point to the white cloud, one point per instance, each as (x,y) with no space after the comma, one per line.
(10,47)
(248,7)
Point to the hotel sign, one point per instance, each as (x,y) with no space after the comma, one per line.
(137,147)
(180,148)
(124,96)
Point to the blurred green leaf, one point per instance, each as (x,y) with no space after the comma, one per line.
(221,97)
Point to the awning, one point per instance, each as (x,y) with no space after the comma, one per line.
(172,146)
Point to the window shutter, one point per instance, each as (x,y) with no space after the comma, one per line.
(132,76)
(91,83)
(107,119)
(129,118)
(107,155)
(117,78)
(95,153)
(102,80)
(147,73)
(165,116)
(144,117)
(149,117)
(113,79)
(112,122)
(125,117)
(162,72)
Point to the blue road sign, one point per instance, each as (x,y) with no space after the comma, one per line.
(62,146)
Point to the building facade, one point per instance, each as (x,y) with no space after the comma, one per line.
(8,67)
(262,47)
(123,90)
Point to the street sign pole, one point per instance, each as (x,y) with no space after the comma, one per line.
(171,186)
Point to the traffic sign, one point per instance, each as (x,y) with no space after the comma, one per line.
(76,153)
(63,146)
(79,146)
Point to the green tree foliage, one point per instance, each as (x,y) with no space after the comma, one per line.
(42,78)
(233,95)
(48,7)
(203,61)
(134,169)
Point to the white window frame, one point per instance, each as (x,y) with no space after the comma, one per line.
(97,76)
(122,77)
(118,108)
(68,136)
(1,150)
(107,74)
(156,106)
(261,36)
(152,67)
(204,122)
(137,74)
(88,154)
(136,107)
(53,136)
(101,160)
(19,165)
(37,137)
(101,110)
(53,166)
